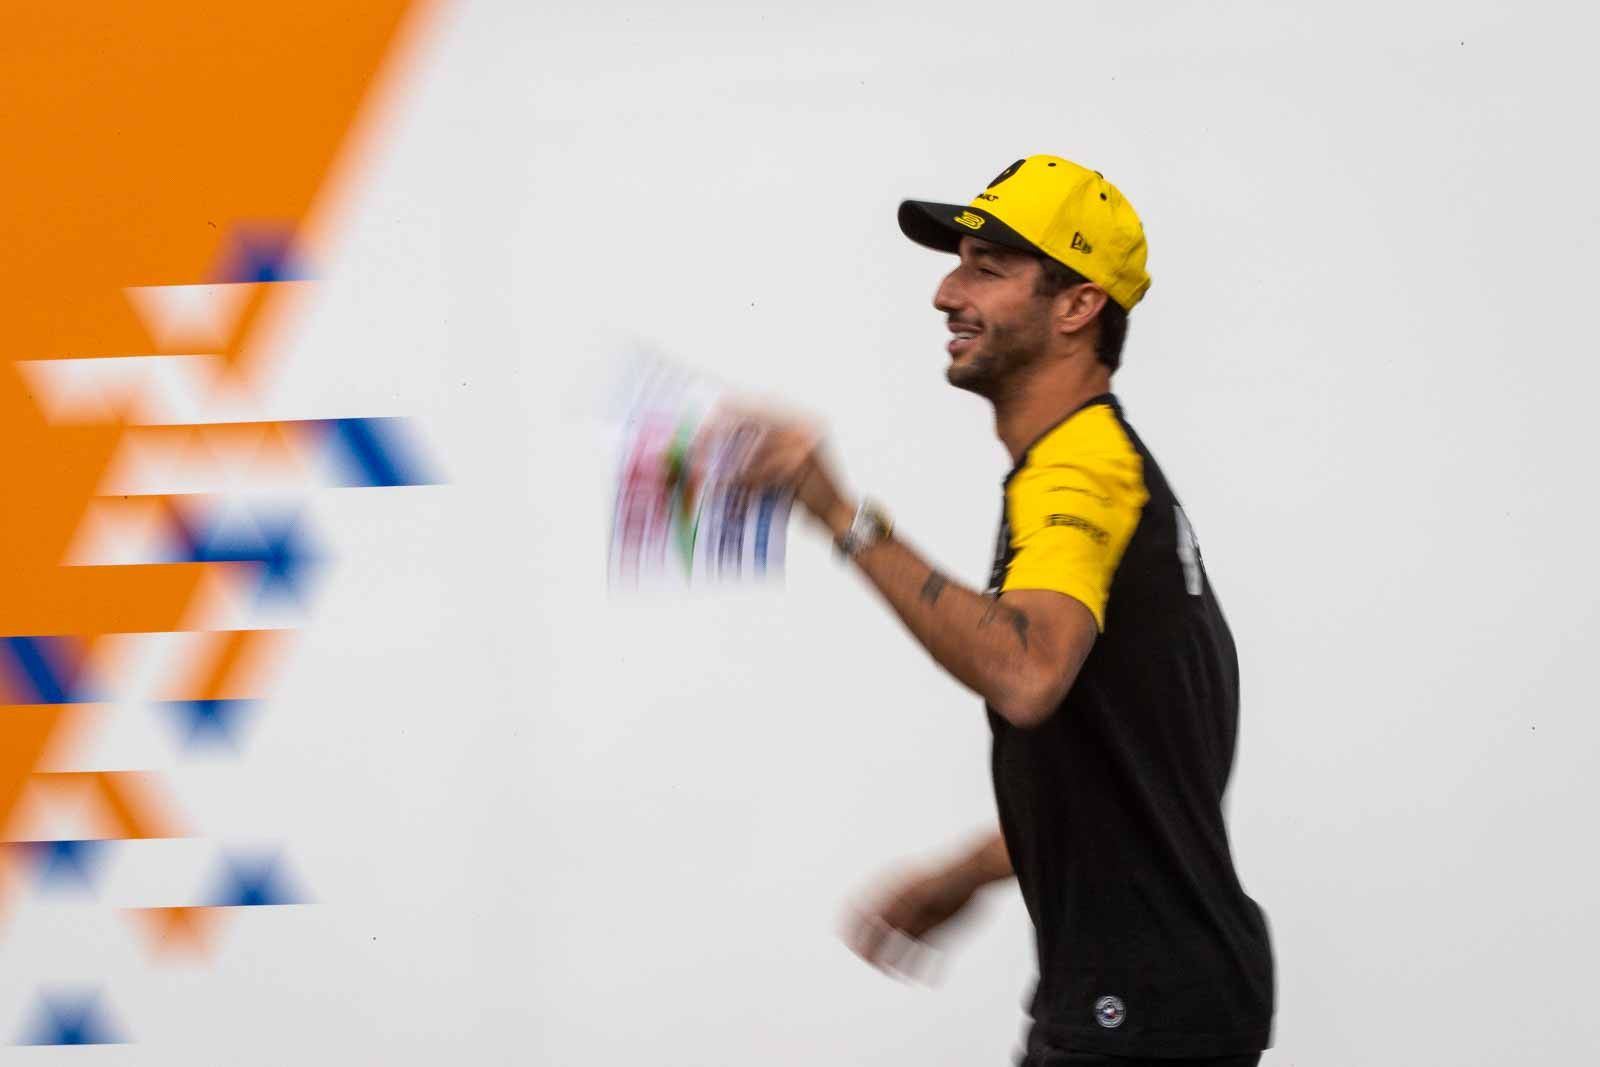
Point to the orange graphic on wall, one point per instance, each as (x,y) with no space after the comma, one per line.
(173,168)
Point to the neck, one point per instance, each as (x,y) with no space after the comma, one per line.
(1023,415)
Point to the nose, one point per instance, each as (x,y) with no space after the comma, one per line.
(947,298)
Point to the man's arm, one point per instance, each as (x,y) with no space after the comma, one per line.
(1020,651)
(918,902)
(989,861)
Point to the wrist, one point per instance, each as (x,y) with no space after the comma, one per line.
(867,526)
(816,491)
(837,517)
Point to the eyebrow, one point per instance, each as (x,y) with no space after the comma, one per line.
(994,254)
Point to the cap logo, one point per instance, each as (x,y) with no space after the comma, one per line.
(1078,243)
(971,221)
(1008,172)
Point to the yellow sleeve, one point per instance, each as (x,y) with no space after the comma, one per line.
(1072,510)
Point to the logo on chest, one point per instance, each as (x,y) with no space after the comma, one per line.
(1110,1012)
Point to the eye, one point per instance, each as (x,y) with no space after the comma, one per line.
(990,273)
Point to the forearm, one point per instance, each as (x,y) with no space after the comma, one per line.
(982,642)
(987,862)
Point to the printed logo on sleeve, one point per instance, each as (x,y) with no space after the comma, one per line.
(1103,499)
(1096,534)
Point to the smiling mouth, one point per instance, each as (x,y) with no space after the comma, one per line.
(961,342)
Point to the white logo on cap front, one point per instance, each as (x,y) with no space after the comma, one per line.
(1109,1012)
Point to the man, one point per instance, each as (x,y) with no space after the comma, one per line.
(1108,672)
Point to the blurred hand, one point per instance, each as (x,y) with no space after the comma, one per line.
(788,454)
(891,932)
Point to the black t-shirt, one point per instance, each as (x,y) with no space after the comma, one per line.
(1112,808)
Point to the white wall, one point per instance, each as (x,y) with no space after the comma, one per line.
(611,830)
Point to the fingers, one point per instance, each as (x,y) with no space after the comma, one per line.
(772,472)
(907,958)
(890,949)
(775,459)
(900,953)
(866,936)
(779,445)
(764,414)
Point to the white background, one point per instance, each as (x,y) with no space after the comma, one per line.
(547,825)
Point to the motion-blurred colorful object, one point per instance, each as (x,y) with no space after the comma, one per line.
(678,516)
(175,170)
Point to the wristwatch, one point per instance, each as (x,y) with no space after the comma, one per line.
(870,526)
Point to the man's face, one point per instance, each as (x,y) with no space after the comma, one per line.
(999,325)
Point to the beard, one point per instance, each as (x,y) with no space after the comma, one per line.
(1002,363)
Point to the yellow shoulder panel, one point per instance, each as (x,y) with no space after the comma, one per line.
(1073,507)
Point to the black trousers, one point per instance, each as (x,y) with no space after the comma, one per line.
(1042,1054)
(1100,1059)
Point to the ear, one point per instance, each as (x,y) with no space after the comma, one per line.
(1077,307)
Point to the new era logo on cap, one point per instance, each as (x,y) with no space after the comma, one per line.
(1080,244)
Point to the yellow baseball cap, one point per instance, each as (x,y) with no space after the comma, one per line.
(1051,206)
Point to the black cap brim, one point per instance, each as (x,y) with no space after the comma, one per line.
(934,226)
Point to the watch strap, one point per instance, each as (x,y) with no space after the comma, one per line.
(870,525)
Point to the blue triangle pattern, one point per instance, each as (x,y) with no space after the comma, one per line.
(210,723)
(370,452)
(63,864)
(259,252)
(276,545)
(41,669)
(253,882)
(73,1018)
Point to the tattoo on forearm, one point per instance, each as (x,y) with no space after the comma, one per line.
(1009,615)
(933,587)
